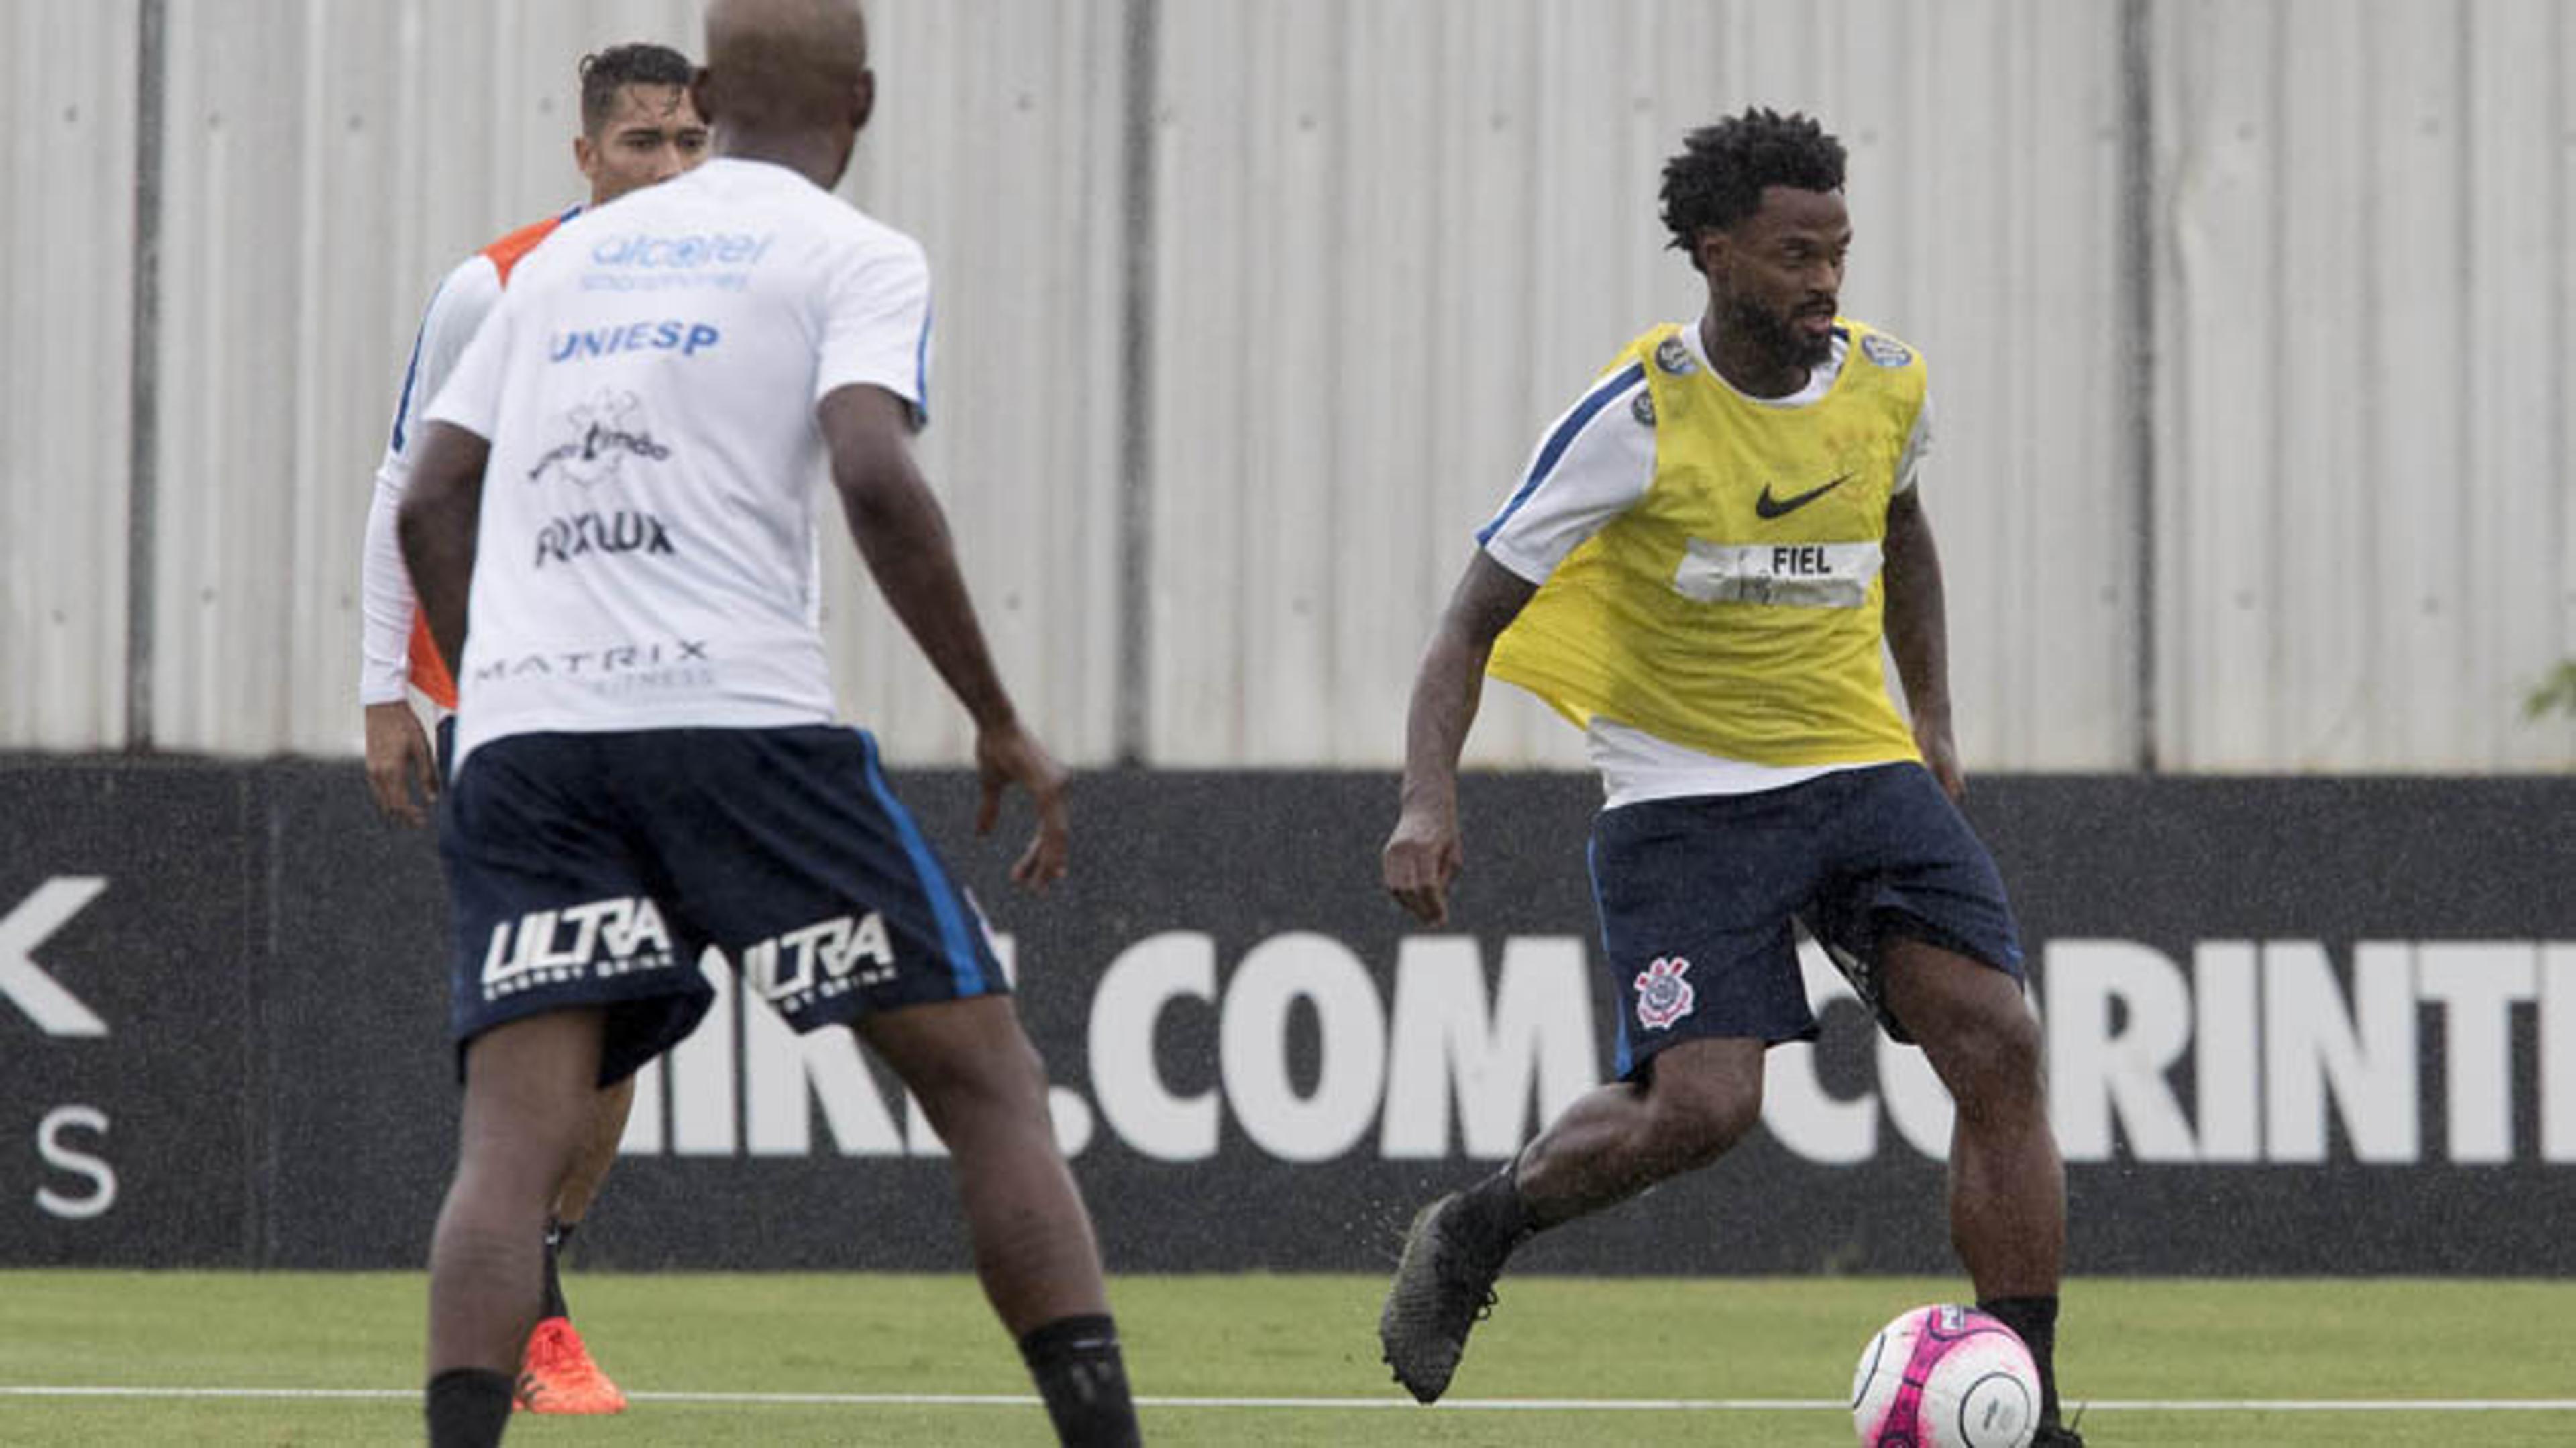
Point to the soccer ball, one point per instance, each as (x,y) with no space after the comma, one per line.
(1945,1377)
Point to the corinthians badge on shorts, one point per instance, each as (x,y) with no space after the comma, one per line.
(1663,997)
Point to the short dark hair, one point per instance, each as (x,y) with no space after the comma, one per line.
(604,73)
(1718,178)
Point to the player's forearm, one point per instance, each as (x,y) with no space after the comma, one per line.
(903,538)
(1446,692)
(1917,624)
(438,549)
(384,601)
(1451,679)
(441,514)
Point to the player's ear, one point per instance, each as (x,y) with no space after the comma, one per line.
(702,94)
(863,99)
(585,155)
(1709,249)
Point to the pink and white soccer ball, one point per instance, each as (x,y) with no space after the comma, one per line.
(1945,1377)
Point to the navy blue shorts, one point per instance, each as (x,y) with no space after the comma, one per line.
(593,869)
(1697,899)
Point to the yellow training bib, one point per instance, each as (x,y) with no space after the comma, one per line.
(1737,607)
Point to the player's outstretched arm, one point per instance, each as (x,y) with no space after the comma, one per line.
(1918,635)
(441,512)
(400,771)
(1425,852)
(903,537)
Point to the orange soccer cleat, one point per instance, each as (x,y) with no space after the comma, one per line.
(558,1376)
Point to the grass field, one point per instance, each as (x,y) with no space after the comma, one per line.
(226,1358)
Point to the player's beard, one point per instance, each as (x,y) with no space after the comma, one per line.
(1778,336)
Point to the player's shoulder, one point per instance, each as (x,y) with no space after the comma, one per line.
(730,210)
(1657,347)
(504,252)
(1663,338)
(1880,348)
(1628,367)
(836,230)
(854,239)
(464,295)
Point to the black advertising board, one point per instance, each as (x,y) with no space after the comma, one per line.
(131,914)
(2294,1026)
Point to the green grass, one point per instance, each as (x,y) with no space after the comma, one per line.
(1267,1336)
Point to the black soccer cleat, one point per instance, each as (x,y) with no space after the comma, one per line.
(1443,1286)
(2056,1435)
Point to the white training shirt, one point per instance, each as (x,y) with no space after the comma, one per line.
(385,603)
(1593,464)
(649,385)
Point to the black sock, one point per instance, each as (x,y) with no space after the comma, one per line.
(1078,1371)
(468,1408)
(2035,1319)
(557,1233)
(1493,1213)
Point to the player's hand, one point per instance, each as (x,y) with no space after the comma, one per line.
(1011,755)
(1941,756)
(1421,858)
(399,762)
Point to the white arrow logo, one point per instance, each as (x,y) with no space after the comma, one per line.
(56,1011)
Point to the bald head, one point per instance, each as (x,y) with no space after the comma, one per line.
(787,72)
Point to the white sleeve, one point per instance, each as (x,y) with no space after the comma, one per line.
(1594,463)
(385,603)
(471,397)
(876,325)
(1917,447)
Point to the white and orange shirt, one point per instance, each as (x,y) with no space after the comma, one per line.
(395,649)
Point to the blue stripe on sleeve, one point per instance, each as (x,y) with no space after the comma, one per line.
(921,370)
(411,369)
(1558,441)
(934,880)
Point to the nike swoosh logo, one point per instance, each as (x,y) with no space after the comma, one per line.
(1771,507)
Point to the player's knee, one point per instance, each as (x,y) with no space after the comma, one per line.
(1000,1078)
(1698,1127)
(1994,1060)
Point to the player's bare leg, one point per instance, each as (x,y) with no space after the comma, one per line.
(2007,1186)
(985,1091)
(530,1091)
(2007,1182)
(981,1082)
(1617,1140)
(1612,1143)
(598,1153)
(557,1374)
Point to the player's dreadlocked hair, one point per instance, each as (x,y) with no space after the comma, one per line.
(603,72)
(1718,178)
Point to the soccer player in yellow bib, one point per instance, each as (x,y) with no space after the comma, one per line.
(1698,570)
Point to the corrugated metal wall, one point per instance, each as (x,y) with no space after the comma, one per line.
(996,141)
(66,342)
(2364,465)
(1387,242)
